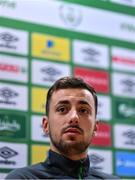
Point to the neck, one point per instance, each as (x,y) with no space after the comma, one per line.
(72,156)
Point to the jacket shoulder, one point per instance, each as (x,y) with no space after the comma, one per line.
(19,173)
(24,173)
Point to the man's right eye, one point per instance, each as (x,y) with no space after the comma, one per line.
(62,109)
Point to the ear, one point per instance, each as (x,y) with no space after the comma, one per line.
(96,127)
(45,125)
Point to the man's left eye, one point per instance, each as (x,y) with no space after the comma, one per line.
(84,111)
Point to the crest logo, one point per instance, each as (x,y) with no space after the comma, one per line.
(70,15)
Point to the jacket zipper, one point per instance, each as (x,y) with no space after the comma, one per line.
(80,176)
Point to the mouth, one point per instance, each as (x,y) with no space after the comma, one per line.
(73,131)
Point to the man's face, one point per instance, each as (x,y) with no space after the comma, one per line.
(71,121)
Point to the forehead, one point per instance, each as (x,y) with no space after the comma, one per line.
(72,94)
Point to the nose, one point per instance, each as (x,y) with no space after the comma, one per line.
(73,117)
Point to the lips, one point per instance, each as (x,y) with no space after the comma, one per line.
(72,130)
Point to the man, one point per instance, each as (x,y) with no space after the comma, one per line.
(71,109)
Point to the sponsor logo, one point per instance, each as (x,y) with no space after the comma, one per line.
(50,72)
(12,68)
(45,73)
(124,60)
(124,136)
(38,99)
(13,41)
(52,47)
(91,54)
(13,97)
(8,3)
(8,40)
(7,94)
(125,84)
(70,15)
(101,160)
(128,85)
(99,79)
(130,135)
(9,68)
(126,110)
(5,125)
(103,135)
(50,44)
(127,27)
(95,160)
(13,155)
(7,153)
(125,164)
(12,126)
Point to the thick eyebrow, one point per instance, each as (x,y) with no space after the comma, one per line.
(83,102)
(80,102)
(63,102)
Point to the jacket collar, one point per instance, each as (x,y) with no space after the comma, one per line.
(68,166)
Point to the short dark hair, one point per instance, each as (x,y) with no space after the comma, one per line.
(70,82)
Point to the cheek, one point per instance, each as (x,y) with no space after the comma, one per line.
(55,126)
(88,126)
(88,132)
